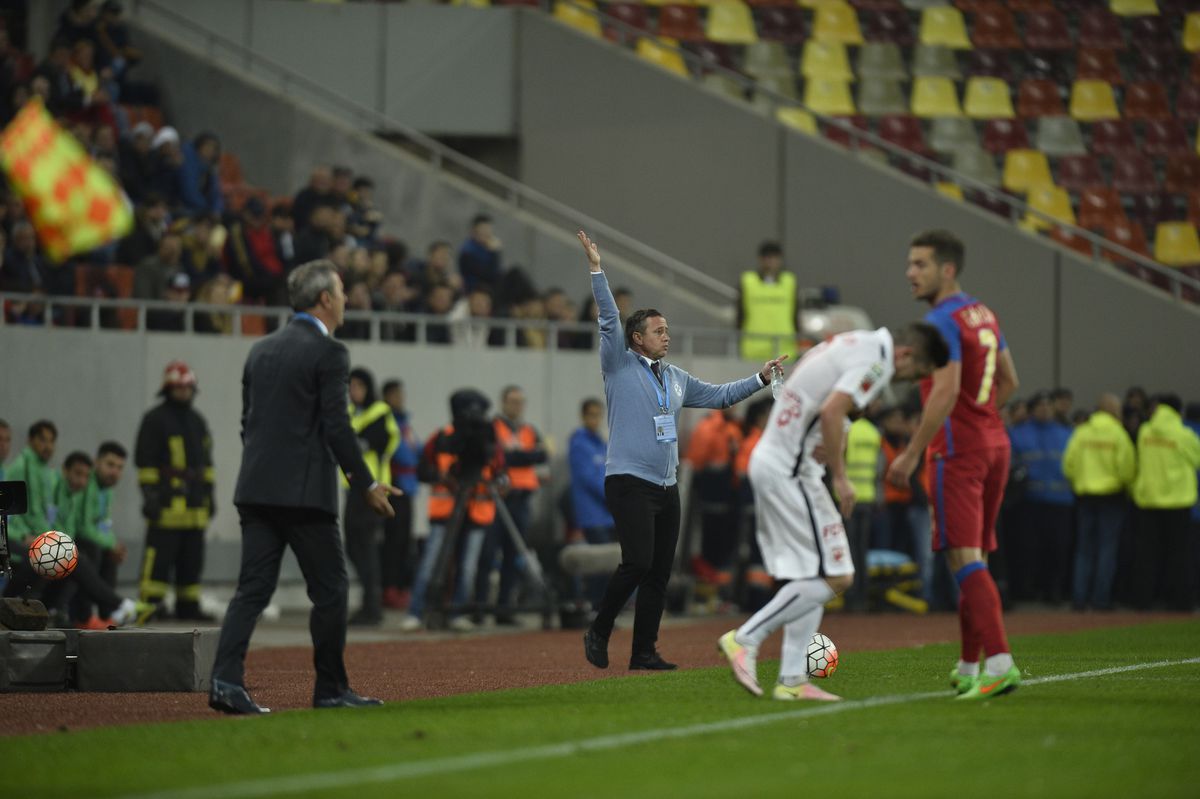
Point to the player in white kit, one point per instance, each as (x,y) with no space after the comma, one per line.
(800,530)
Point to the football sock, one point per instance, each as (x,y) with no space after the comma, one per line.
(793,600)
(968,669)
(981,603)
(966,623)
(997,665)
(793,666)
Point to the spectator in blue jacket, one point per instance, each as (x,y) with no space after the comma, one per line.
(1042,547)
(199,185)
(587,452)
(396,550)
(479,256)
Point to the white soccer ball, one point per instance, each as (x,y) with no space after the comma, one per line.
(822,656)
(52,555)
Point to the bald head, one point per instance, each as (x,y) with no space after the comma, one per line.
(1110,404)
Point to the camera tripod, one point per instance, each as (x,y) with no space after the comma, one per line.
(16,613)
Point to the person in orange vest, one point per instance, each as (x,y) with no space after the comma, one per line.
(462,450)
(523,451)
(710,452)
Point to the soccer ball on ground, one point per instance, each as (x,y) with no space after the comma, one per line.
(822,656)
(52,555)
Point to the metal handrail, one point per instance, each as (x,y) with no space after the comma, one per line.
(1017,208)
(509,191)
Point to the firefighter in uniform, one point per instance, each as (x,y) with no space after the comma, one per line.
(767,306)
(174,462)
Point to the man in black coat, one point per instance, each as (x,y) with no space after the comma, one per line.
(295,433)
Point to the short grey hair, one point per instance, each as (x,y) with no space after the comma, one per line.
(307,281)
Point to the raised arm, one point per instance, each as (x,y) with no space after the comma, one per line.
(943,395)
(612,341)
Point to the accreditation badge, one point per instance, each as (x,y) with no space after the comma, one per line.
(664,427)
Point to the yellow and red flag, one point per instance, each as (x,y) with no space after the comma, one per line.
(74,204)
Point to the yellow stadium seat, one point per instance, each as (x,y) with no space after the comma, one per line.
(571,14)
(837,22)
(1191,32)
(1092,100)
(934,97)
(661,53)
(798,119)
(988,98)
(819,3)
(1050,200)
(830,97)
(943,26)
(473,3)
(730,22)
(1176,244)
(1026,169)
(951,190)
(825,60)
(1133,8)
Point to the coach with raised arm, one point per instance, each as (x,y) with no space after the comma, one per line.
(645,395)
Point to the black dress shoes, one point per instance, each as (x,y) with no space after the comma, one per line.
(347,698)
(595,649)
(651,661)
(231,698)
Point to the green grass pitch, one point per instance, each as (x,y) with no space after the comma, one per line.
(1130,734)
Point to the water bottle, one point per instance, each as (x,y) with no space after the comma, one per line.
(776,381)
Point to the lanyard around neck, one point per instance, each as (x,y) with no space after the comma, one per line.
(663,394)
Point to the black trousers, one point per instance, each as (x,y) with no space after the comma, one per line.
(1162,566)
(396,551)
(313,537)
(647,527)
(858,534)
(84,581)
(364,534)
(177,554)
(83,604)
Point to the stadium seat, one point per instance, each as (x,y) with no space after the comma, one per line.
(1165,137)
(634,18)
(1145,100)
(825,60)
(680,22)
(1039,98)
(977,164)
(1099,207)
(1187,102)
(1093,100)
(1153,65)
(782,85)
(904,131)
(1182,173)
(935,62)
(888,26)
(798,119)
(724,85)
(1129,235)
(1025,170)
(1133,8)
(943,26)
(839,135)
(1071,240)
(1002,135)
(1113,137)
(990,64)
(837,23)
(994,28)
(1134,174)
(1047,65)
(781,24)
(1191,32)
(829,97)
(988,98)
(1059,136)
(935,97)
(918,5)
(994,202)
(1194,70)
(1153,33)
(881,97)
(876,5)
(1029,5)
(574,15)
(730,22)
(662,53)
(1152,207)
(712,55)
(950,134)
(1101,30)
(1079,172)
(1193,207)
(881,60)
(1046,29)
(766,58)
(973,6)
(1098,65)
(951,190)
(1176,244)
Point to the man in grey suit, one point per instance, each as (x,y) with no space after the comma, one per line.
(295,434)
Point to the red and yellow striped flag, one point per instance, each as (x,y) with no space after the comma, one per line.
(74,204)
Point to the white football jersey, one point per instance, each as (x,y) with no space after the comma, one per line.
(858,363)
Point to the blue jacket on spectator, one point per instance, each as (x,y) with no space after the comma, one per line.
(478,265)
(586,455)
(1039,447)
(406,457)
(195,195)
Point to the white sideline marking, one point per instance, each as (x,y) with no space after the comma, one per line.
(273,786)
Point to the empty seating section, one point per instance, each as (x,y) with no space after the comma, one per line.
(1086,110)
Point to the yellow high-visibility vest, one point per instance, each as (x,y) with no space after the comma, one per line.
(768,311)
(863,444)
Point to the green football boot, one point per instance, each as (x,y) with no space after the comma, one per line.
(988,686)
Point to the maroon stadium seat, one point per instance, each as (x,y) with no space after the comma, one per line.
(1098,65)
(1164,137)
(875,5)
(974,6)
(1047,30)
(1134,174)
(1128,234)
(1098,208)
(839,136)
(1071,240)
(681,22)
(632,14)
(989,201)
(1039,98)
(1145,100)
(781,24)
(1153,65)
(1113,137)
(990,64)
(1152,207)
(1002,135)
(887,26)
(1193,207)
(994,28)
(713,55)
(903,131)
(1047,65)
(1079,172)
(1030,5)
(1183,173)
(1178,7)
(1100,29)
(1187,102)
(1153,33)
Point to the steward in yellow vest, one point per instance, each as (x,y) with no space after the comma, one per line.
(1099,459)
(767,306)
(863,444)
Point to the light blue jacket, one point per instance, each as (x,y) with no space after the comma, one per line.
(629,388)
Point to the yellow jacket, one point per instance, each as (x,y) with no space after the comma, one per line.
(863,445)
(1099,459)
(1168,457)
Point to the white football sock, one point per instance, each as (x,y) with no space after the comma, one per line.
(792,601)
(997,665)
(968,669)
(793,667)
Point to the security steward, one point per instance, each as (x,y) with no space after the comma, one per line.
(766,305)
(863,444)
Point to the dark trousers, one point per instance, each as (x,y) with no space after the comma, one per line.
(314,538)
(1162,557)
(173,553)
(83,604)
(858,532)
(714,495)
(84,581)
(498,540)
(647,527)
(1040,559)
(364,533)
(396,551)
(1098,521)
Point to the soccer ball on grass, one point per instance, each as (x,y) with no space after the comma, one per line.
(822,656)
(52,555)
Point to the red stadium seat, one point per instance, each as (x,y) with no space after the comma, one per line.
(1152,207)
(1098,65)
(681,22)
(1039,98)
(839,136)
(994,28)
(1193,207)
(1183,173)
(1153,65)
(876,5)
(1072,241)
(1187,102)
(1144,100)
(1153,33)
(1047,65)
(1079,172)
(1047,30)
(1129,235)
(1030,5)
(989,201)
(1100,29)
(1002,135)
(781,24)
(903,131)
(1113,137)
(1194,69)
(1099,208)
(713,55)
(1134,174)
(990,64)
(632,14)
(888,26)
(1178,7)
(974,6)
(1164,137)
